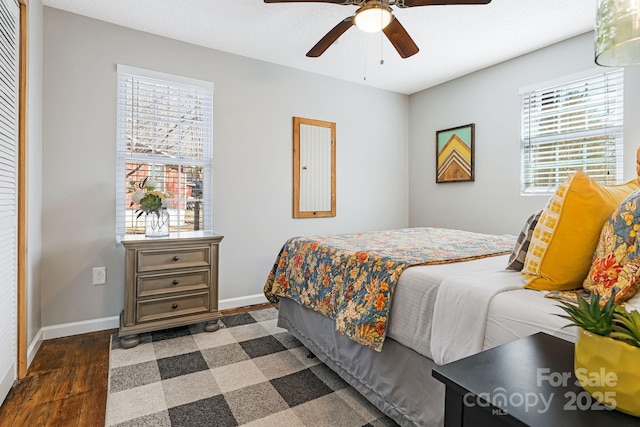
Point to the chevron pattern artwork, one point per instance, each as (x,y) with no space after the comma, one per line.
(454,154)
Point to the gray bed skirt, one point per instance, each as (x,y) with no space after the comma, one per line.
(397,380)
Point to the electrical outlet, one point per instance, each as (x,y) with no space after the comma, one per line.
(99,275)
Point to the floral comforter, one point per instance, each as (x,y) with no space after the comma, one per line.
(351,277)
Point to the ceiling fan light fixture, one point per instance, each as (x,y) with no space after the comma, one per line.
(617,33)
(373,18)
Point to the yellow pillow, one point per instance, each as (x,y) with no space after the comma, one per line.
(567,233)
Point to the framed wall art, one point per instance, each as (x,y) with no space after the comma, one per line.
(454,154)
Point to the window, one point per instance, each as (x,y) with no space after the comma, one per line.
(165,127)
(571,126)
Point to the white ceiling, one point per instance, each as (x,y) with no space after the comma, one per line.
(453,40)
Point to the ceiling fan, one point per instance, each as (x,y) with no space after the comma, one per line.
(373,16)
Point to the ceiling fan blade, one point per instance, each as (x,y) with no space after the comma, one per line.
(400,39)
(330,37)
(413,3)
(310,1)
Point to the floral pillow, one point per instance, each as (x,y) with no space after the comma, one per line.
(617,257)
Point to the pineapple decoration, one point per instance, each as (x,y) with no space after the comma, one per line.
(608,343)
(590,315)
(607,320)
(626,326)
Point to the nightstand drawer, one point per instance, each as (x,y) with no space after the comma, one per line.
(163,259)
(159,284)
(170,282)
(171,307)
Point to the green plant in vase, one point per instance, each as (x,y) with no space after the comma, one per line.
(590,315)
(146,194)
(153,203)
(626,327)
(607,351)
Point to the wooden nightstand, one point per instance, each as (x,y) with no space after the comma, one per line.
(170,282)
(528,382)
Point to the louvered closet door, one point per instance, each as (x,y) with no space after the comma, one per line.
(9,21)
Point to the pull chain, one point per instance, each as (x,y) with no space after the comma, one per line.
(363,49)
(364,65)
(381,49)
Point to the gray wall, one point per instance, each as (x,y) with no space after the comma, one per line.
(254,103)
(489,98)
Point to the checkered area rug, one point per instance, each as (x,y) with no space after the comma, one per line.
(248,373)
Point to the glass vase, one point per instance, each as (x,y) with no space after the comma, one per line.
(157,223)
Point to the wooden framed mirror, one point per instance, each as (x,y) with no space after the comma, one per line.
(314,168)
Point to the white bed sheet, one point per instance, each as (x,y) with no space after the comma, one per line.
(512,314)
(515,314)
(461,310)
(415,295)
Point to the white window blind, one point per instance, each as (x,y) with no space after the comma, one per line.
(571,126)
(165,131)
(9,48)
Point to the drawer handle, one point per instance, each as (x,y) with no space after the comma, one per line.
(176,258)
(174,306)
(175,282)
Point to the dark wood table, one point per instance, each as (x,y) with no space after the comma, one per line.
(528,382)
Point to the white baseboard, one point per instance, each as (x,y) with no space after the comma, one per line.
(75,328)
(33,347)
(85,326)
(223,304)
(6,382)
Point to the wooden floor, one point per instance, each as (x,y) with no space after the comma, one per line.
(66,384)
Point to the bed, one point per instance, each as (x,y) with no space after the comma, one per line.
(442,307)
